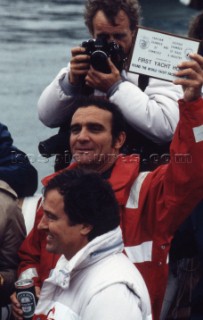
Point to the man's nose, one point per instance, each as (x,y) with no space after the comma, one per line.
(42,225)
(83,135)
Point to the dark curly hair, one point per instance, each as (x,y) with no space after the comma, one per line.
(87,199)
(196,27)
(196,30)
(111,9)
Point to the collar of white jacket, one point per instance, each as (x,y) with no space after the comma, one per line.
(97,249)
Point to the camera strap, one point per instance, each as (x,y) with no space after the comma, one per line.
(143,81)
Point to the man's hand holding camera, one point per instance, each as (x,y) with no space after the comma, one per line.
(102,81)
(97,63)
(79,66)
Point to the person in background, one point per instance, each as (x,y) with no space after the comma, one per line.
(149,105)
(15,167)
(149,201)
(12,233)
(18,179)
(195,27)
(93,279)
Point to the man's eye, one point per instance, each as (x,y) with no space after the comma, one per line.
(95,128)
(50,216)
(119,36)
(103,37)
(75,130)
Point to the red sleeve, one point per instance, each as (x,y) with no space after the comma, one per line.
(172,191)
(183,183)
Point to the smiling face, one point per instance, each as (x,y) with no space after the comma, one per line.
(91,140)
(120,33)
(62,237)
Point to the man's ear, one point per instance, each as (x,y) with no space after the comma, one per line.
(86,229)
(120,140)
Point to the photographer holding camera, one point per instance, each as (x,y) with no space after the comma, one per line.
(149,105)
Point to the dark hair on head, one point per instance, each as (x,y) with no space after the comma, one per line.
(196,27)
(111,9)
(87,199)
(118,121)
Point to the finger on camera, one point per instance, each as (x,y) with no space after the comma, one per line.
(77,51)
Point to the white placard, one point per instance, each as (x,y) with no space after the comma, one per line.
(157,54)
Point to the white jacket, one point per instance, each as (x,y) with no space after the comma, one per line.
(153,112)
(98,283)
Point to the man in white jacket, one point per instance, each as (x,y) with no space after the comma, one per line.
(93,279)
(149,105)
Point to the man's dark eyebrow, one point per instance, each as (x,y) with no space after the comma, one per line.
(49,213)
(74,125)
(113,33)
(87,124)
(94,124)
(45,211)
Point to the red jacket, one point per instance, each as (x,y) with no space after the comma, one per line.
(152,204)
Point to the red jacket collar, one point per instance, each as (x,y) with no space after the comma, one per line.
(124,173)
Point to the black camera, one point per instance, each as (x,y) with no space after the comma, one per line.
(99,51)
(54,145)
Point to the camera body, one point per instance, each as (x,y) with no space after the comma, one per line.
(53,145)
(100,50)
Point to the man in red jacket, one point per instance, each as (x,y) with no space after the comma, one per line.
(152,204)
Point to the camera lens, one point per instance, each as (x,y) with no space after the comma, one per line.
(99,61)
(53,145)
